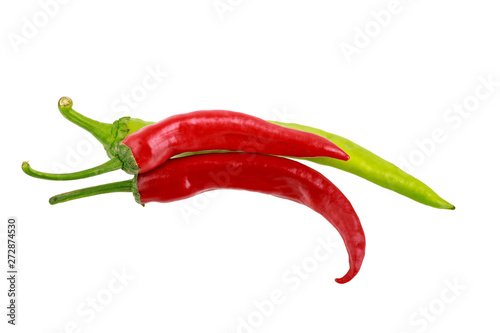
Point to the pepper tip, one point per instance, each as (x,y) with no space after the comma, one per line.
(343,280)
(64,103)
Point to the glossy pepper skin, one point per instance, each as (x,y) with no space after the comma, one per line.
(218,129)
(185,177)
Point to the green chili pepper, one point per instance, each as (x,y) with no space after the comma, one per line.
(369,166)
(362,162)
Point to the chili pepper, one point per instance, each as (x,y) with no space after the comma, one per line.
(185,177)
(369,166)
(205,130)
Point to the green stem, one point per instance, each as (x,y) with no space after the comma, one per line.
(123,186)
(111,165)
(101,131)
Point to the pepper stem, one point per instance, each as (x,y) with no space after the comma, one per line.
(123,186)
(101,131)
(111,165)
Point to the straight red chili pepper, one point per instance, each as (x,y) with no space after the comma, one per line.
(184,177)
(219,129)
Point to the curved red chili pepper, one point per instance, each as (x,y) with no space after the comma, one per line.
(152,145)
(184,177)
(187,176)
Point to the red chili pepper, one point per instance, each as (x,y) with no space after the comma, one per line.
(218,129)
(185,177)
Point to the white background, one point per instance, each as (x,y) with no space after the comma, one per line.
(276,60)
